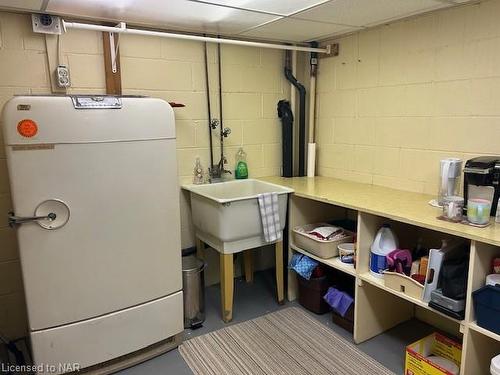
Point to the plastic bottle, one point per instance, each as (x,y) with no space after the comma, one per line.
(198,174)
(385,242)
(241,169)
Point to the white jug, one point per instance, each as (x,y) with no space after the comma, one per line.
(384,243)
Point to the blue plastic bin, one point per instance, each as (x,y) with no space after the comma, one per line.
(487,307)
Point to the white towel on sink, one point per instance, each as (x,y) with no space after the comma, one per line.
(270,216)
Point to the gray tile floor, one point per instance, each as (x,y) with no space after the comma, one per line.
(258,298)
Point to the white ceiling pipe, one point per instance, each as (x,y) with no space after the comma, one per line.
(122,29)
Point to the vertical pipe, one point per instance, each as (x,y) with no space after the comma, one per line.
(207,79)
(312,108)
(293,92)
(286,116)
(311,147)
(221,125)
(302,113)
(294,107)
(294,104)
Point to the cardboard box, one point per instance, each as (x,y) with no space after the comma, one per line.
(416,362)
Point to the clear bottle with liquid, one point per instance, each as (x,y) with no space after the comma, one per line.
(198,173)
(241,166)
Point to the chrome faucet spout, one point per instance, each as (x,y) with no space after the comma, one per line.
(218,170)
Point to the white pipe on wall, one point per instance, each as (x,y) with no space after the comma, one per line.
(311,146)
(312,108)
(311,159)
(122,28)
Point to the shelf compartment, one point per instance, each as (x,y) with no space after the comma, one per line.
(331,262)
(379,282)
(480,348)
(377,311)
(408,235)
(306,211)
(479,267)
(484,331)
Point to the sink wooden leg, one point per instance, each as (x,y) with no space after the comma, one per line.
(248,263)
(200,249)
(280,287)
(226,286)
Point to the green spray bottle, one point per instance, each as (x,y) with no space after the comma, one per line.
(241,169)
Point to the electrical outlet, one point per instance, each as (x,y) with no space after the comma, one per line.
(62,75)
(46,24)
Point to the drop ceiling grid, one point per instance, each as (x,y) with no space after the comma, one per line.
(279,8)
(280,20)
(344,15)
(172,14)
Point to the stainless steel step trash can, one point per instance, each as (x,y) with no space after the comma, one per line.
(193,286)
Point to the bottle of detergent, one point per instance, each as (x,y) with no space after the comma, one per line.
(385,242)
(241,169)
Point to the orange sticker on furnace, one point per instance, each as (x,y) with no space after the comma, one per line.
(27,128)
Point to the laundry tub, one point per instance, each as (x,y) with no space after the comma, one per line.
(226,215)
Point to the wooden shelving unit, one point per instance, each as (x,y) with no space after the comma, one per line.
(379,308)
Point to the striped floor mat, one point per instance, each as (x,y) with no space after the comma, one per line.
(288,341)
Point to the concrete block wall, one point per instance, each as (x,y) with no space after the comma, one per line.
(402,96)
(165,68)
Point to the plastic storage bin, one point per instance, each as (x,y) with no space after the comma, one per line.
(311,293)
(487,307)
(321,248)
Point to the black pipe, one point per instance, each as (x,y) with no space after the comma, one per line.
(286,116)
(313,61)
(207,79)
(302,113)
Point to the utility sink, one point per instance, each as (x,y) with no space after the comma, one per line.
(226,215)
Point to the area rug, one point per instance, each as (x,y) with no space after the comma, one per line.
(288,341)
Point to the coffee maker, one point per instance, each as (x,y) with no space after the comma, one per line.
(482,180)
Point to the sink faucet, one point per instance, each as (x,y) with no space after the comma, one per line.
(218,170)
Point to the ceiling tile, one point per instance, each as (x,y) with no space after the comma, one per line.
(367,12)
(22,4)
(283,7)
(171,14)
(295,30)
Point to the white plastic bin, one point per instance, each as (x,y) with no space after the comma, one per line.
(321,248)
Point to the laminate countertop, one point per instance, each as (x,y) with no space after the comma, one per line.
(403,206)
